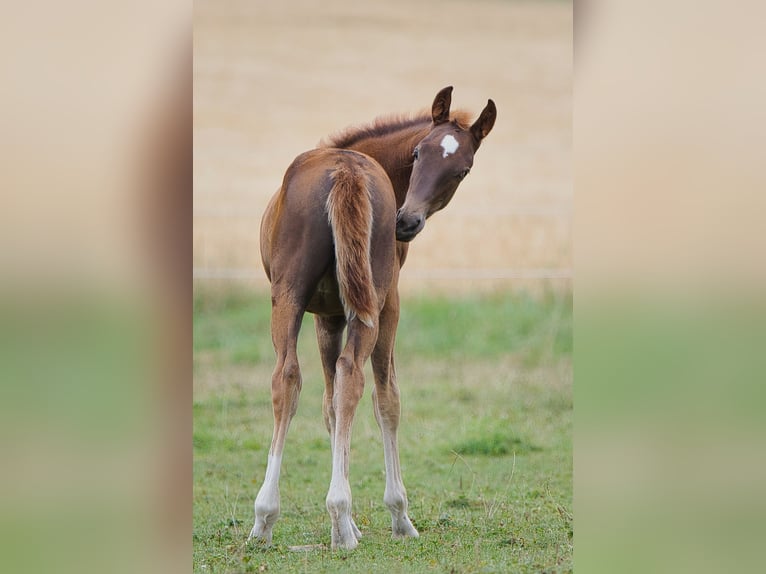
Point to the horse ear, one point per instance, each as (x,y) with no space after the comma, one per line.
(440,109)
(483,125)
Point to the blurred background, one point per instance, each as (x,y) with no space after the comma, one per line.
(272,79)
(670,313)
(95,328)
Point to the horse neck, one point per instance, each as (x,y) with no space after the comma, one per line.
(394,153)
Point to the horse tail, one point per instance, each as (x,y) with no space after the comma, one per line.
(349,210)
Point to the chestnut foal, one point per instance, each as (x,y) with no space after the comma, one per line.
(333,239)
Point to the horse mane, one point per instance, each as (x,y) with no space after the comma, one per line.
(385,125)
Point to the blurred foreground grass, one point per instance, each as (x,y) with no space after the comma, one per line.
(670,467)
(486,440)
(78,411)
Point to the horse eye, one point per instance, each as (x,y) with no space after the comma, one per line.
(462,174)
(416,153)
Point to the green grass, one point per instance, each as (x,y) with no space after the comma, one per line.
(485,441)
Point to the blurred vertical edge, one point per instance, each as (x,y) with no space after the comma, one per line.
(669,290)
(95,296)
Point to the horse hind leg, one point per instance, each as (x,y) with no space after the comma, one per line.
(285,389)
(348,389)
(329,332)
(387,406)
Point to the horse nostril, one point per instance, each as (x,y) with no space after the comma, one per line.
(398,214)
(409,225)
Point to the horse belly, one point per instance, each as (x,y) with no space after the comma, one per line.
(326,297)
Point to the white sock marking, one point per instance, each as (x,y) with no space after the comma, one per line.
(268,496)
(394,487)
(449,145)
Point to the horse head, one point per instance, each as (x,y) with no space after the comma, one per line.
(441,160)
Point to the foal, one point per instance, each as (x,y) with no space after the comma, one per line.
(333,239)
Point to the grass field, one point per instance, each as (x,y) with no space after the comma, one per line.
(486,440)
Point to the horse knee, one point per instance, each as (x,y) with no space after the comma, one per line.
(344,366)
(387,406)
(291,373)
(286,385)
(349,377)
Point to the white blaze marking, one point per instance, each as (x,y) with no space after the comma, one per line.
(449,145)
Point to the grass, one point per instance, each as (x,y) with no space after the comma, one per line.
(485,441)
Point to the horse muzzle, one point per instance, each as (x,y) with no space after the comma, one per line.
(408,225)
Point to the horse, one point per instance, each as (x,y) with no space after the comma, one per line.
(333,240)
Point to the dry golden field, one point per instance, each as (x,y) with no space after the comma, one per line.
(272,78)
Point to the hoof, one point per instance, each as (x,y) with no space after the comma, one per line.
(355,529)
(345,534)
(402,528)
(262,531)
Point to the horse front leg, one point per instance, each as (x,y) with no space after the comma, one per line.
(285,390)
(348,389)
(385,400)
